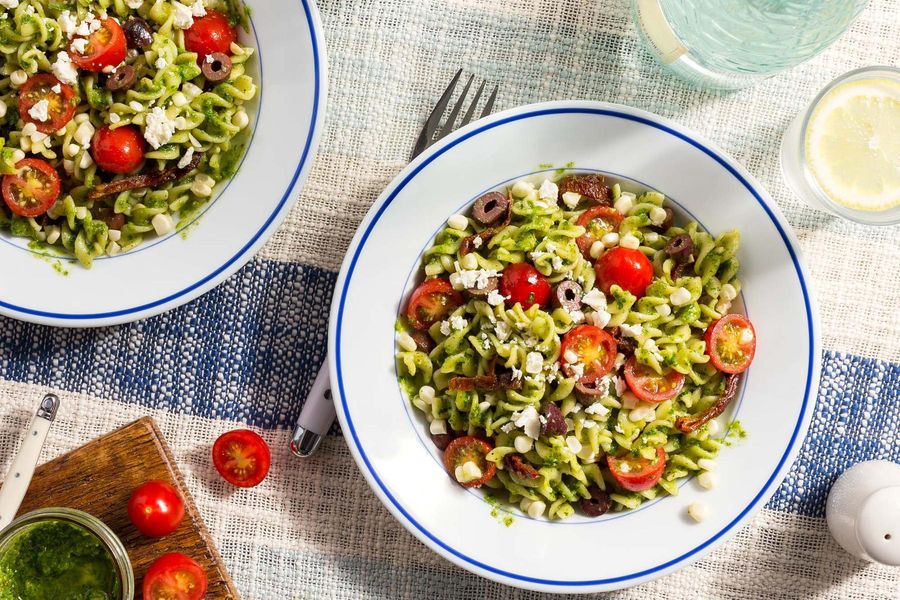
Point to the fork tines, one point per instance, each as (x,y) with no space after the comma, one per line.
(434,130)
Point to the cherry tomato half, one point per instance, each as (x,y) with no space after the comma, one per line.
(60,104)
(470,449)
(33,190)
(650,386)
(155,508)
(598,221)
(118,150)
(591,347)
(432,301)
(731,343)
(242,458)
(637,474)
(629,269)
(523,284)
(174,576)
(106,47)
(212,33)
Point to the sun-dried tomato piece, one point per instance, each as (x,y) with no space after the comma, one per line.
(143,180)
(486,383)
(689,424)
(592,185)
(517,464)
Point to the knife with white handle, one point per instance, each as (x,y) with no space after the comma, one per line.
(19,476)
(316,416)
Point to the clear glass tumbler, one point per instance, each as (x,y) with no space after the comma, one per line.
(728,44)
(858,139)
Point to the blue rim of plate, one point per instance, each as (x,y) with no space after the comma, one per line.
(314,127)
(810,374)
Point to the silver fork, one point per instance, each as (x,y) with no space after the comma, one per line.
(434,131)
(318,411)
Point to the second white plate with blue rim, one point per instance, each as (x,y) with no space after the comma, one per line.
(290,66)
(389,440)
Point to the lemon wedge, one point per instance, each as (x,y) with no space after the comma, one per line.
(853,144)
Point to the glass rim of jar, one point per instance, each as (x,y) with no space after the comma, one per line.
(859,216)
(87,521)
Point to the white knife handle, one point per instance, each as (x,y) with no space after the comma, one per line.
(18,478)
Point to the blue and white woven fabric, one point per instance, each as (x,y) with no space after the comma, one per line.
(247,352)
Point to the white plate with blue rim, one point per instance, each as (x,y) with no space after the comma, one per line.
(389,439)
(162,273)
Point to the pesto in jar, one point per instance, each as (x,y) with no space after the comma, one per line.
(57,560)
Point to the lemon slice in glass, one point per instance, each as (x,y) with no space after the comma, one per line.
(853,144)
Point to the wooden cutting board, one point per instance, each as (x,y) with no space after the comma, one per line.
(99,477)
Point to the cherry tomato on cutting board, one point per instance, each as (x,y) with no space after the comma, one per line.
(106,47)
(650,386)
(118,150)
(242,458)
(174,576)
(627,268)
(637,474)
(209,34)
(597,221)
(591,347)
(33,190)
(431,302)
(60,104)
(470,449)
(731,343)
(155,508)
(523,284)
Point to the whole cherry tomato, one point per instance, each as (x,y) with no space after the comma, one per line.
(523,284)
(156,509)
(629,269)
(118,150)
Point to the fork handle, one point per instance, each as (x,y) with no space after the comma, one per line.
(316,416)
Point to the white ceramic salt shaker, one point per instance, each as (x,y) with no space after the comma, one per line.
(863,511)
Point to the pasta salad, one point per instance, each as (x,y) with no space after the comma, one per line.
(117,117)
(571,345)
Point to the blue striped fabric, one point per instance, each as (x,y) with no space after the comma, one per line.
(248,351)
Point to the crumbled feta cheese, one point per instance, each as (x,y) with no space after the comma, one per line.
(502,330)
(186,159)
(657,215)
(529,420)
(457,322)
(67,22)
(56,89)
(534,363)
(549,191)
(477,241)
(620,386)
(64,70)
(576,370)
(197,9)
(631,330)
(595,299)
(600,318)
(79,45)
(698,511)
(495,298)
(516,373)
(523,444)
(161,63)
(159,128)
(596,409)
(184,17)
(629,241)
(438,427)
(475,278)
(39,111)
(576,315)
(508,427)
(680,297)
(746,336)
(458,222)
(571,199)
(445,328)
(88,26)
(557,263)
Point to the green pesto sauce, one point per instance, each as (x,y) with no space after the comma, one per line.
(57,560)
(41,250)
(735,432)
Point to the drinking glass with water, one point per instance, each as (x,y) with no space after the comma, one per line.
(728,44)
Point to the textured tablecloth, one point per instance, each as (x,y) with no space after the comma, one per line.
(247,351)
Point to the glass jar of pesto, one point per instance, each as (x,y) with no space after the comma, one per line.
(63,554)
